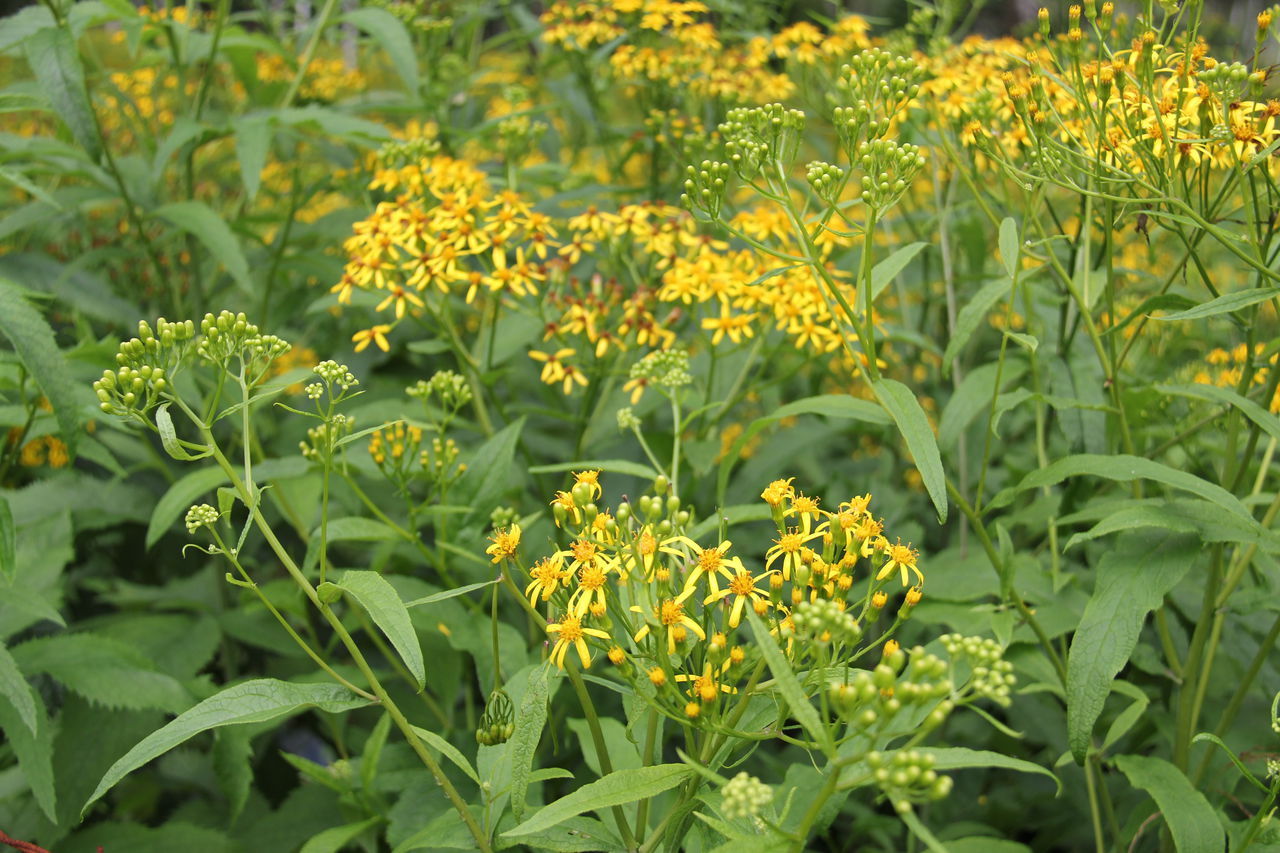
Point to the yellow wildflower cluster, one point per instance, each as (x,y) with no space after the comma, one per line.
(1225,369)
(327,78)
(667,610)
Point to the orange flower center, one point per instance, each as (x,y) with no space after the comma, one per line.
(571,629)
(670,612)
(742,584)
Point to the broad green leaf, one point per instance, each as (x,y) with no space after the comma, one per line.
(390,32)
(887,270)
(972,397)
(1132,580)
(34,751)
(356,529)
(8,568)
(383,604)
(1191,820)
(253,140)
(169,438)
(575,835)
(336,838)
(614,466)
(1225,304)
(787,683)
(36,345)
(1010,246)
(960,758)
(449,751)
(529,723)
(200,221)
(489,473)
(622,786)
(102,670)
(905,410)
(830,405)
(373,752)
(1122,468)
(919,830)
(1210,521)
(1266,421)
(258,701)
(16,689)
(55,61)
(232,765)
(971,316)
(1159,302)
(450,593)
(186,491)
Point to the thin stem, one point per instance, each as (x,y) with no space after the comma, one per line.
(602,748)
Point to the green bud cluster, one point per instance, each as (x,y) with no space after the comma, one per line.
(705,187)
(402,152)
(1226,80)
(334,375)
(503,516)
(627,419)
(882,80)
(668,368)
(227,336)
(826,179)
(497,724)
(322,440)
(145,365)
(908,777)
(448,389)
(888,168)
(518,135)
(825,621)
(754,136)
(200,515)
(990,677)
(744,796)
(871,697)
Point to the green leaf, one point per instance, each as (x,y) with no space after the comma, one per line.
(1009,246)
(529,724)
(8,566)
(959,758)
(449,751)
(885,271)
(614,466)
(169,438)
(258,701)
(253,140)
(200,221)
(35,344)
(232,755)
(55,61)
(971,316)
(450,593)
(356,529)
(921,831)
(179,498)
(373,752)
(1122,468)
(830,405)
(1132,580)
(1235,759)
(1225,304)
(102,670)
(16,689)
(1210,521)
(1266,421)
(390,32)
(383,604)
(336,838)
(905,410)
(622,786)
(788,685)
(34,751)
(1191,820)
(1159,302)
(489,474)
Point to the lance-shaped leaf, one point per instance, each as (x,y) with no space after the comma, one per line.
(35,344)
(384,605)
(55,61)
(622,786)
(788,685)
(906,412)
(1192,821)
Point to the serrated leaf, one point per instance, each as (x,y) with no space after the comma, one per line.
(1266,421)
(906,412)
(960,758)
(256,701)
(384,606)
(391,34)
(335,838)
(971,316)
(524,742)
(449,751)
(1225,304)
(55,61)
(253,140)
(1132,580)
(615,466)
(202,222)
(450,593)
(15,688)
(34,751)
(619,787)
(830,405)
(102,670)
(886,270)
(36,345)
(788,685)
(1192,822)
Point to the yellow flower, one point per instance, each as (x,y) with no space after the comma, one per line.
(376,335)
(789,547)
(778,491)
(505,542)
(743,586)
(547,575)
(591,479)
(570,632)
(903,558)
(711,562)
(670,614)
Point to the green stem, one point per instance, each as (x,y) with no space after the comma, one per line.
(304,62)
(602,748)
